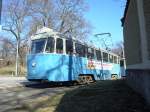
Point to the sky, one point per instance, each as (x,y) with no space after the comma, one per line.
(104,16)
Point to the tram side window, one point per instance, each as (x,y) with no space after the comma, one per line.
(69,47)
(118,60)
(98,55)
(59,46)
(110,58)
(80,50)
(86,50)
(90,53)
(115,59)
(121,63)
(105,57)
(50,45)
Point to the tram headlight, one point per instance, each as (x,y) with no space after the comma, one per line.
(33,64)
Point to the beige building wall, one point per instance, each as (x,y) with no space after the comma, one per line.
(137,46)
(132,35)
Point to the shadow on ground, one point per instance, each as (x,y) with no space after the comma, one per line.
(44,85)
(104,96)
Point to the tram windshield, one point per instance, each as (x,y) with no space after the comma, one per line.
(38,46)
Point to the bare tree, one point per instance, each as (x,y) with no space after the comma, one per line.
(16,14)
(119,49)
(64,16)
(7,51)
(42,14)
(70,18)
(24,17)
(23,52)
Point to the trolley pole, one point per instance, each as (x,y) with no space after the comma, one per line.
(97,35)
(104,41)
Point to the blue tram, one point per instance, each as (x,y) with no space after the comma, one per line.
(55,58)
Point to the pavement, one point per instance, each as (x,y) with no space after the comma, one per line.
(19,95)
(8,82)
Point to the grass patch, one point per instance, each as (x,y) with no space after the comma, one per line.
(10,70)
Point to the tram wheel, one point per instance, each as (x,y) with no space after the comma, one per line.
(86,79)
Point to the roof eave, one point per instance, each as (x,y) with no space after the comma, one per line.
(125,12)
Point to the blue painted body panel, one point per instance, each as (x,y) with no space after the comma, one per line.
(58,67)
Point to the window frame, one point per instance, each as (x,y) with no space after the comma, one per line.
(98,51)
(105,57)
(61,50)
(47,44)
(83,51)
(115,60)
(111,60)
(71,53)
(43,49)
(91,54)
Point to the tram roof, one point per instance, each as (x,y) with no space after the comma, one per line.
(47,32)
(44,33)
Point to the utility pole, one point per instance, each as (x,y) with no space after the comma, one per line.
(17,56)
